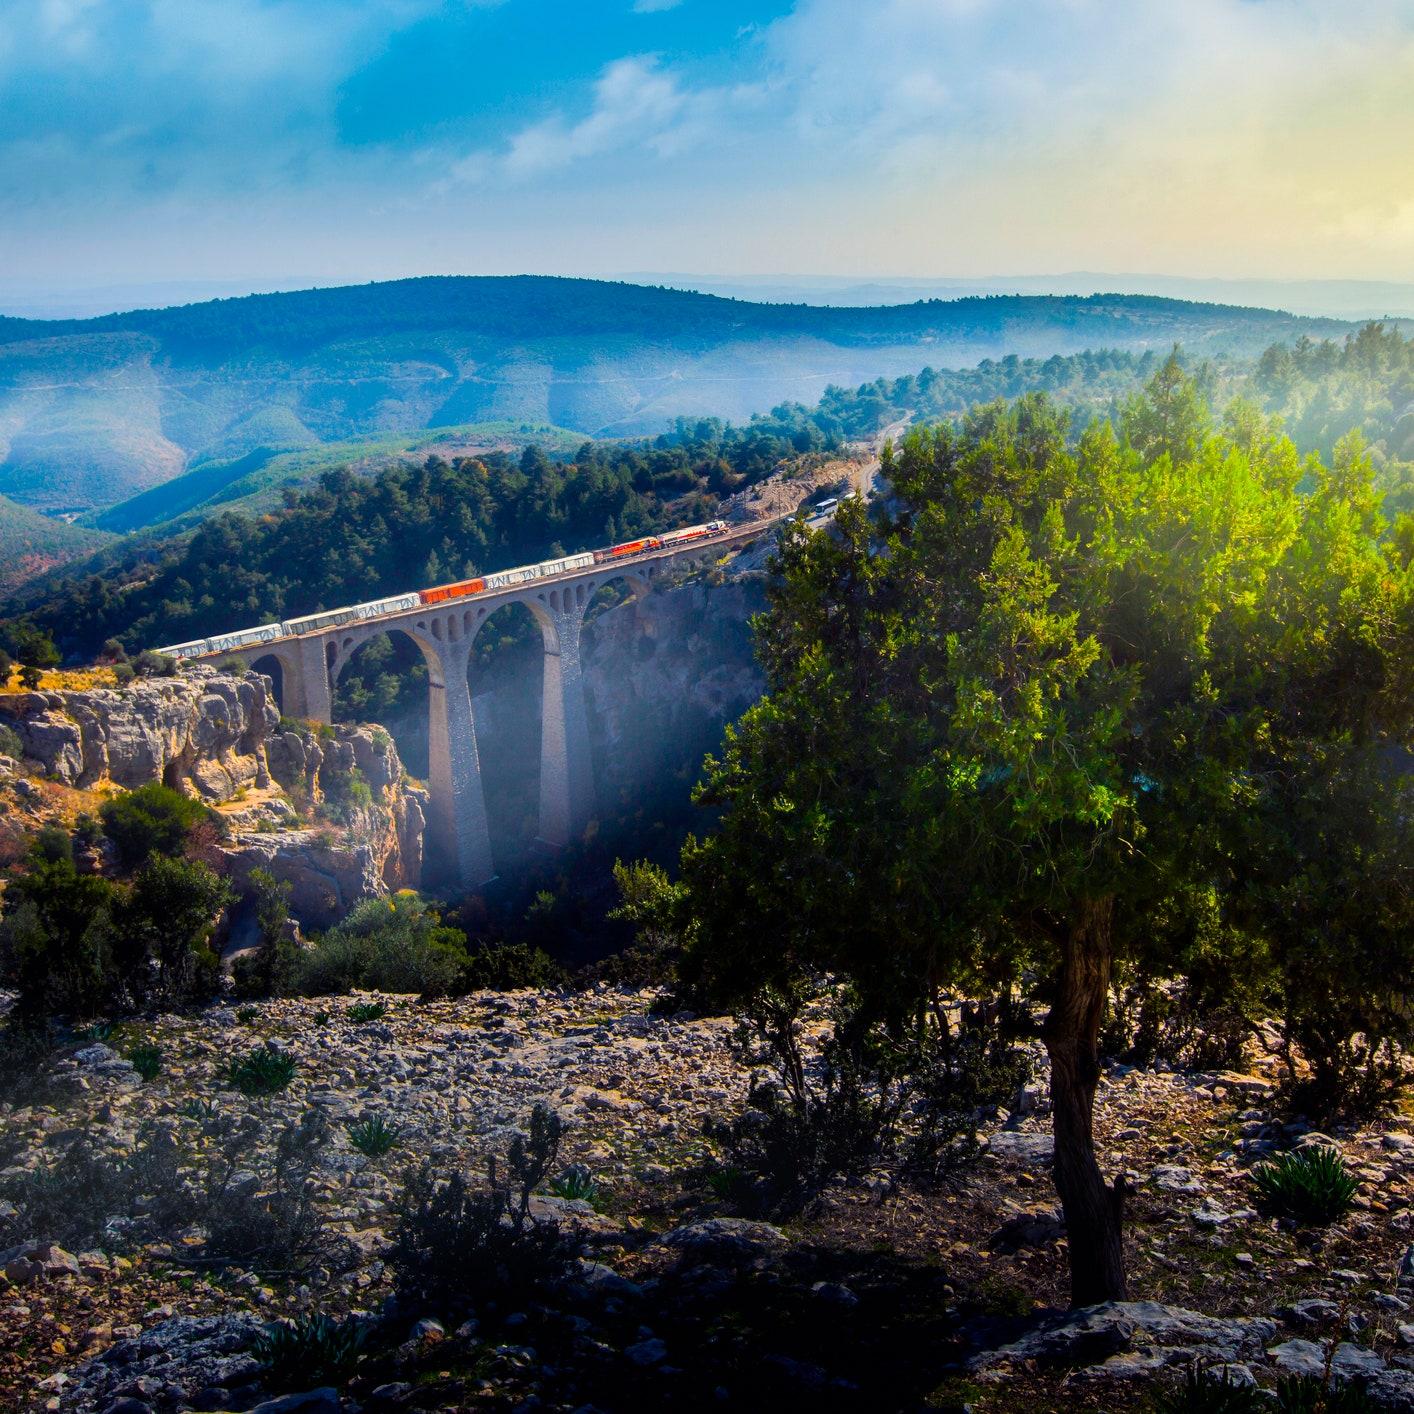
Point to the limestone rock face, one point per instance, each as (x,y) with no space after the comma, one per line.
(371,843)
(663,675)
(202,732)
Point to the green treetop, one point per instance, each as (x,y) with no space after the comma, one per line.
(1071,704)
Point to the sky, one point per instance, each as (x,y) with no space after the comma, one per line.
(270,142)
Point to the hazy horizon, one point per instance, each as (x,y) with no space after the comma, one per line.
(1336,299)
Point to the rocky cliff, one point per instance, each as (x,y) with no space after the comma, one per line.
(365,835)
(325,810)
(663,677)
(202,732)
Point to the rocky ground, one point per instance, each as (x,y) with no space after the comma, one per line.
(877,1298)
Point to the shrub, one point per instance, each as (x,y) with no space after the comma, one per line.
(953,1084)
(202,1111)
(149,663)
(151,819)
(53,846)
(247,1015)
(262,1072)
(310,1352)
(576,1183)
(56,940)
(506,967)
(10,743)
(320,1018)
(162,927)
(362,1012)
(1311,1185)
(1315,1394)
(147,1061)
(123,673)
(267,1218)
(373,1137)
(384,945)
(75,1202)
(267,972)
(1202,1392)
(30,677)
(453,1238)
(7,668)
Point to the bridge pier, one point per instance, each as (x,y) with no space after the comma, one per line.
(458,804)
(566,771)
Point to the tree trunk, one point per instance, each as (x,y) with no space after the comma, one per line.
(1093,1212)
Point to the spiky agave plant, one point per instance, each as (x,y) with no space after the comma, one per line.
(373,1137)
(262,1072)
(312,1351)
(1311,1184)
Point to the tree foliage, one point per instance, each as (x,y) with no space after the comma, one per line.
(1072,699)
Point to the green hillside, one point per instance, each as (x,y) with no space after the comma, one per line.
(99,412)
(255,481)
(31,543)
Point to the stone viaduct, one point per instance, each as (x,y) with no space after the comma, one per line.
(311,665)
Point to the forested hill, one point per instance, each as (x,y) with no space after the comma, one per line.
(355,537)
(95,412)
(536,307)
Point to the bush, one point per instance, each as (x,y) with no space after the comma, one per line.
(147,1061)
(384,945)
(7,668)
(262,1072)
(1202,1392)
(454,1239)
(1311,1185)
(53,846)
(57,939)
(76,1202)
(270,1219)
(151,819)
(267,972)
(953,1086)
(506,967)
(373,1137)
(310,1352)
(151,664)
(162,928)
(363,1012)
(10,743)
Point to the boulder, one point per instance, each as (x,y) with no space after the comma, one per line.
(1156,1335)
(1022,1148)
(737,1238)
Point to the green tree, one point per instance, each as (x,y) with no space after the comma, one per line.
(162,932)
(266,973)
(56,938)
(152,818)
(1076,688)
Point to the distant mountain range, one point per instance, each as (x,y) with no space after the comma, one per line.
(95,412)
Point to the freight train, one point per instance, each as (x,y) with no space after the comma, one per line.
(400,603)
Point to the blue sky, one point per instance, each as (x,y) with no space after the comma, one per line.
(328,140)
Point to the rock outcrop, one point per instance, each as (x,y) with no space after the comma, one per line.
(369,839)
(202,732)
(663,676)
(217,737)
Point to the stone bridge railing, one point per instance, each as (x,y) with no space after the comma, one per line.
(310,667)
